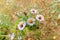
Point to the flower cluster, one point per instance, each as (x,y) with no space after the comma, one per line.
(31,21)
(11,36)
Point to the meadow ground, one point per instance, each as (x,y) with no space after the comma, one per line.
(12,12)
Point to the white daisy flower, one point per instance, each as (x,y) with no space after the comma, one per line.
(31,21)
(21,25)
(40,17)
(11,36)
(33,11)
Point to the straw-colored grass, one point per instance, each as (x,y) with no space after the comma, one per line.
(11,13)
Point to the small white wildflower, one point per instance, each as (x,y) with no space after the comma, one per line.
(11,36)
(0,21)
(59,16)
(21,25)
(54,37)
(19,38)
(33,11)
(7,2)
(40,17)
(57,1)
(31,21)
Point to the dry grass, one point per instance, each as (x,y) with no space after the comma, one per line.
(48,30)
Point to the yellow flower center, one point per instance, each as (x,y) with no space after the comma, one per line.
(31,21)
